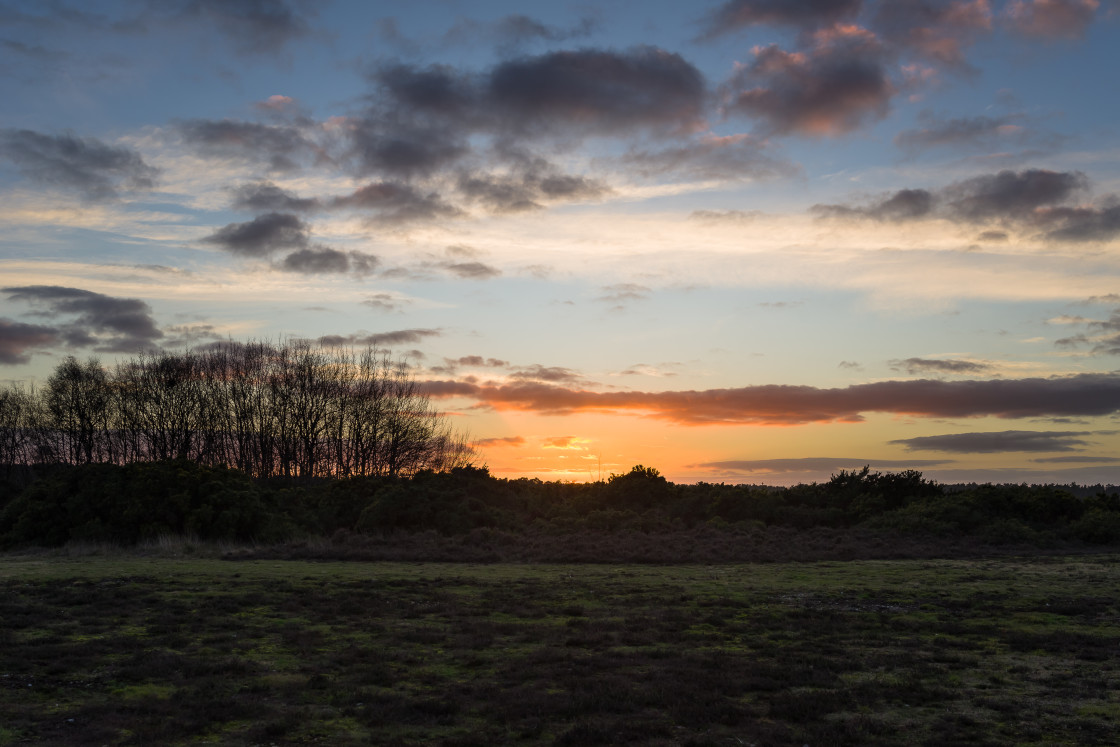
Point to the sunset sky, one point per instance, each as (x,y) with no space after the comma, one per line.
(755,241)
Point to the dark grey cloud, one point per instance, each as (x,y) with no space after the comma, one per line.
(452,365)
(552,374)
(1077,460)
(282,147)
(266,196)
(1031,199)
(937,30)
(597,91)
(181,336)
(905,204)
(385,302)
(838,83)
(18,339)
(515,193)
(733,157)
(1050,19)
(975,132)
(1011,194)
(325,260)
(396,202)
(405,149)
(479,361)
(993,236)
(515,31)
(254,26)
(997,442)
(470,270)
(940,366)
(1105,341)
(1083,223)
(262,235)
(95,170)
(35,52)
(105,323)
(736,14)
(433,90)
(379,339)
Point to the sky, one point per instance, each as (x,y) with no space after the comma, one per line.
(745,241)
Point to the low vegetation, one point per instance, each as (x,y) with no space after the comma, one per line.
(114,650)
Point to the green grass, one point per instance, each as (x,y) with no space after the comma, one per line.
(119,649)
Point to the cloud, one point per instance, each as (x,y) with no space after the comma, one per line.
(835,86)
(1107,342)
(905,204)
(471,270)
(1082,395)
(451,365)
(512,32)
(938,365)
(730,157)
(262,235)
(277,104)
(993,236)
(537,372)
(266,196)
(725,216)
(280,147)
(937,30)
(1083,223)
(1032,199)
(16,339)
(1051,19)
(90,167)
(567,443)
(598,91)
(396,202)
(105,323)
(398,337)
(427,120)
(254,26)
(479,361)
(1011,194)
(974,132)
(513,193)
(503,441)
(320,260)
(621,292)
(738,14)
(808,465)
(385,302)
(996,442)
(404,150)
(1077,460)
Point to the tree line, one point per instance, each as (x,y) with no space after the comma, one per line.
(290,410)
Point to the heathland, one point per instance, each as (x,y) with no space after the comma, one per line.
(160,646)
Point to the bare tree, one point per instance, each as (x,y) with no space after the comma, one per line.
(291,410)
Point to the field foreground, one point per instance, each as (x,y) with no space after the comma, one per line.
(137,650)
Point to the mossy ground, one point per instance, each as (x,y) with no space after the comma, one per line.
(132,650)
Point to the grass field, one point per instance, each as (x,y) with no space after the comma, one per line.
(135,650)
